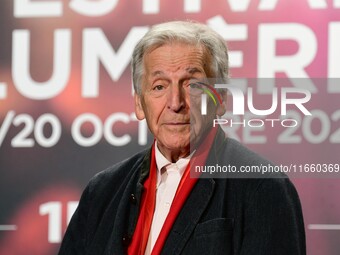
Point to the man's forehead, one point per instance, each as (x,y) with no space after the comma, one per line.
(189,70)
(174,51)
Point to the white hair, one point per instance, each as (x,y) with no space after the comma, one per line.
(188,32)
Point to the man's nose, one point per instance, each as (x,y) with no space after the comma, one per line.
(176,98)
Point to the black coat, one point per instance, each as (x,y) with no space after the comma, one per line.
(253,216)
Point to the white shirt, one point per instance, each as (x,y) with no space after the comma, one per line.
(168,178)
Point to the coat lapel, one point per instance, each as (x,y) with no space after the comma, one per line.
(127,209)
(189,216)
(196,203)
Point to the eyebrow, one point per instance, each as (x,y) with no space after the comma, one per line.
(190,70)
(156,73)
(193,70)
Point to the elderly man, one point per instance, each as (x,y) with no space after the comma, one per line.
(149,203)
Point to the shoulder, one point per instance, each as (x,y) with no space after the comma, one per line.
(252,176)
(272,191)
(240,154)
(117,174)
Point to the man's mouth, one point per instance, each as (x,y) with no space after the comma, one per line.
(177,123)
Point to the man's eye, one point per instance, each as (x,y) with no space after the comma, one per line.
(158,87)
(195,85)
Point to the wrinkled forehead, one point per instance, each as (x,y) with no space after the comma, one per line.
(177,55)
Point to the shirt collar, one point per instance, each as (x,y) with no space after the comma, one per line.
(162,161)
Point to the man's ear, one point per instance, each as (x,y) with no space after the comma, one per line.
(222,108)
(138,107)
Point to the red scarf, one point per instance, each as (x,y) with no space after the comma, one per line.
(141,234)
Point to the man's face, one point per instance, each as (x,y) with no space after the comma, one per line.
(165,99)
